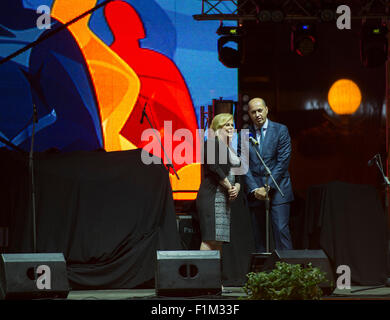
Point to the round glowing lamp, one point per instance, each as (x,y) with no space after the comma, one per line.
(344,97)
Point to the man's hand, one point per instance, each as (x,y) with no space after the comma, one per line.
(261,193)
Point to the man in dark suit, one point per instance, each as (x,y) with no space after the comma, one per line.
(274,146)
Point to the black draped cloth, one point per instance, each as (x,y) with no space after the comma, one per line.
(107,213)
(236,255)
(348,222)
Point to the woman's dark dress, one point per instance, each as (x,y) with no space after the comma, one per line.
(212,201)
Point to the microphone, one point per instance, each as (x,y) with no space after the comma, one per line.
(143,113)
(35,113)
(372,161)
(253,140)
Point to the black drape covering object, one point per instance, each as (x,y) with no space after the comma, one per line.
(107,212)
(348,222)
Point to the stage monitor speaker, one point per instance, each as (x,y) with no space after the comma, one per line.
(28,276)
(317,258)
(188,273)
(257,261)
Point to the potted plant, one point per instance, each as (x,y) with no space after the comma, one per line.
(286,282)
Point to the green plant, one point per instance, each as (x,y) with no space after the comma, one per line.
(285,282)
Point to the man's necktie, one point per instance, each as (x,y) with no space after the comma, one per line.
(261,138)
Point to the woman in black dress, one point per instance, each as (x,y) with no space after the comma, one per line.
(219,186)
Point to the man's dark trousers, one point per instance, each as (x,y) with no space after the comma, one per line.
(279,219)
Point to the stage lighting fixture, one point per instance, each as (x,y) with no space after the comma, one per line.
(303,39)
(270,15)
(327,15)
(264,16)
(373,45)
(229,31)
(228,55)
(277,16)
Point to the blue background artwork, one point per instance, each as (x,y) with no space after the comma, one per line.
(67,106)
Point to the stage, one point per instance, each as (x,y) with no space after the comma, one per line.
(102,145)
(232,293)
(73,212)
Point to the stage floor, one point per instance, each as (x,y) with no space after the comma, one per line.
(232,293)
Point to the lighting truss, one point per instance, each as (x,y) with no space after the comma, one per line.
(293,9)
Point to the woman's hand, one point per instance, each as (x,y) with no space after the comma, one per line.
(226,184)
(233,192)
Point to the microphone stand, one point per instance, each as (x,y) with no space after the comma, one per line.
(378,162)
(53,32)
(268,175)
(169,165)
(32,182)
(380,167)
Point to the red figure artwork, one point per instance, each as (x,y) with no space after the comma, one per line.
(162,85)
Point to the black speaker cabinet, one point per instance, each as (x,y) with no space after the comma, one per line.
(257,261)
(188,273)
(317,258)
(33,276)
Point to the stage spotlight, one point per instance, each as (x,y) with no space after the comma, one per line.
(228,46)
(268,15)
(229,57)
(264,16)
(228,31)
(277,16)
(327,15)
(373,45)
(303,39)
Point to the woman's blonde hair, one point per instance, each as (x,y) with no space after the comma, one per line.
(220,120)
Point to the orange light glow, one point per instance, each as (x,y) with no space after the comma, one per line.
(344,97)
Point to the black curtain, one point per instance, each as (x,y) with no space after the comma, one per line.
(107,213)
(348,222)
(236,255)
